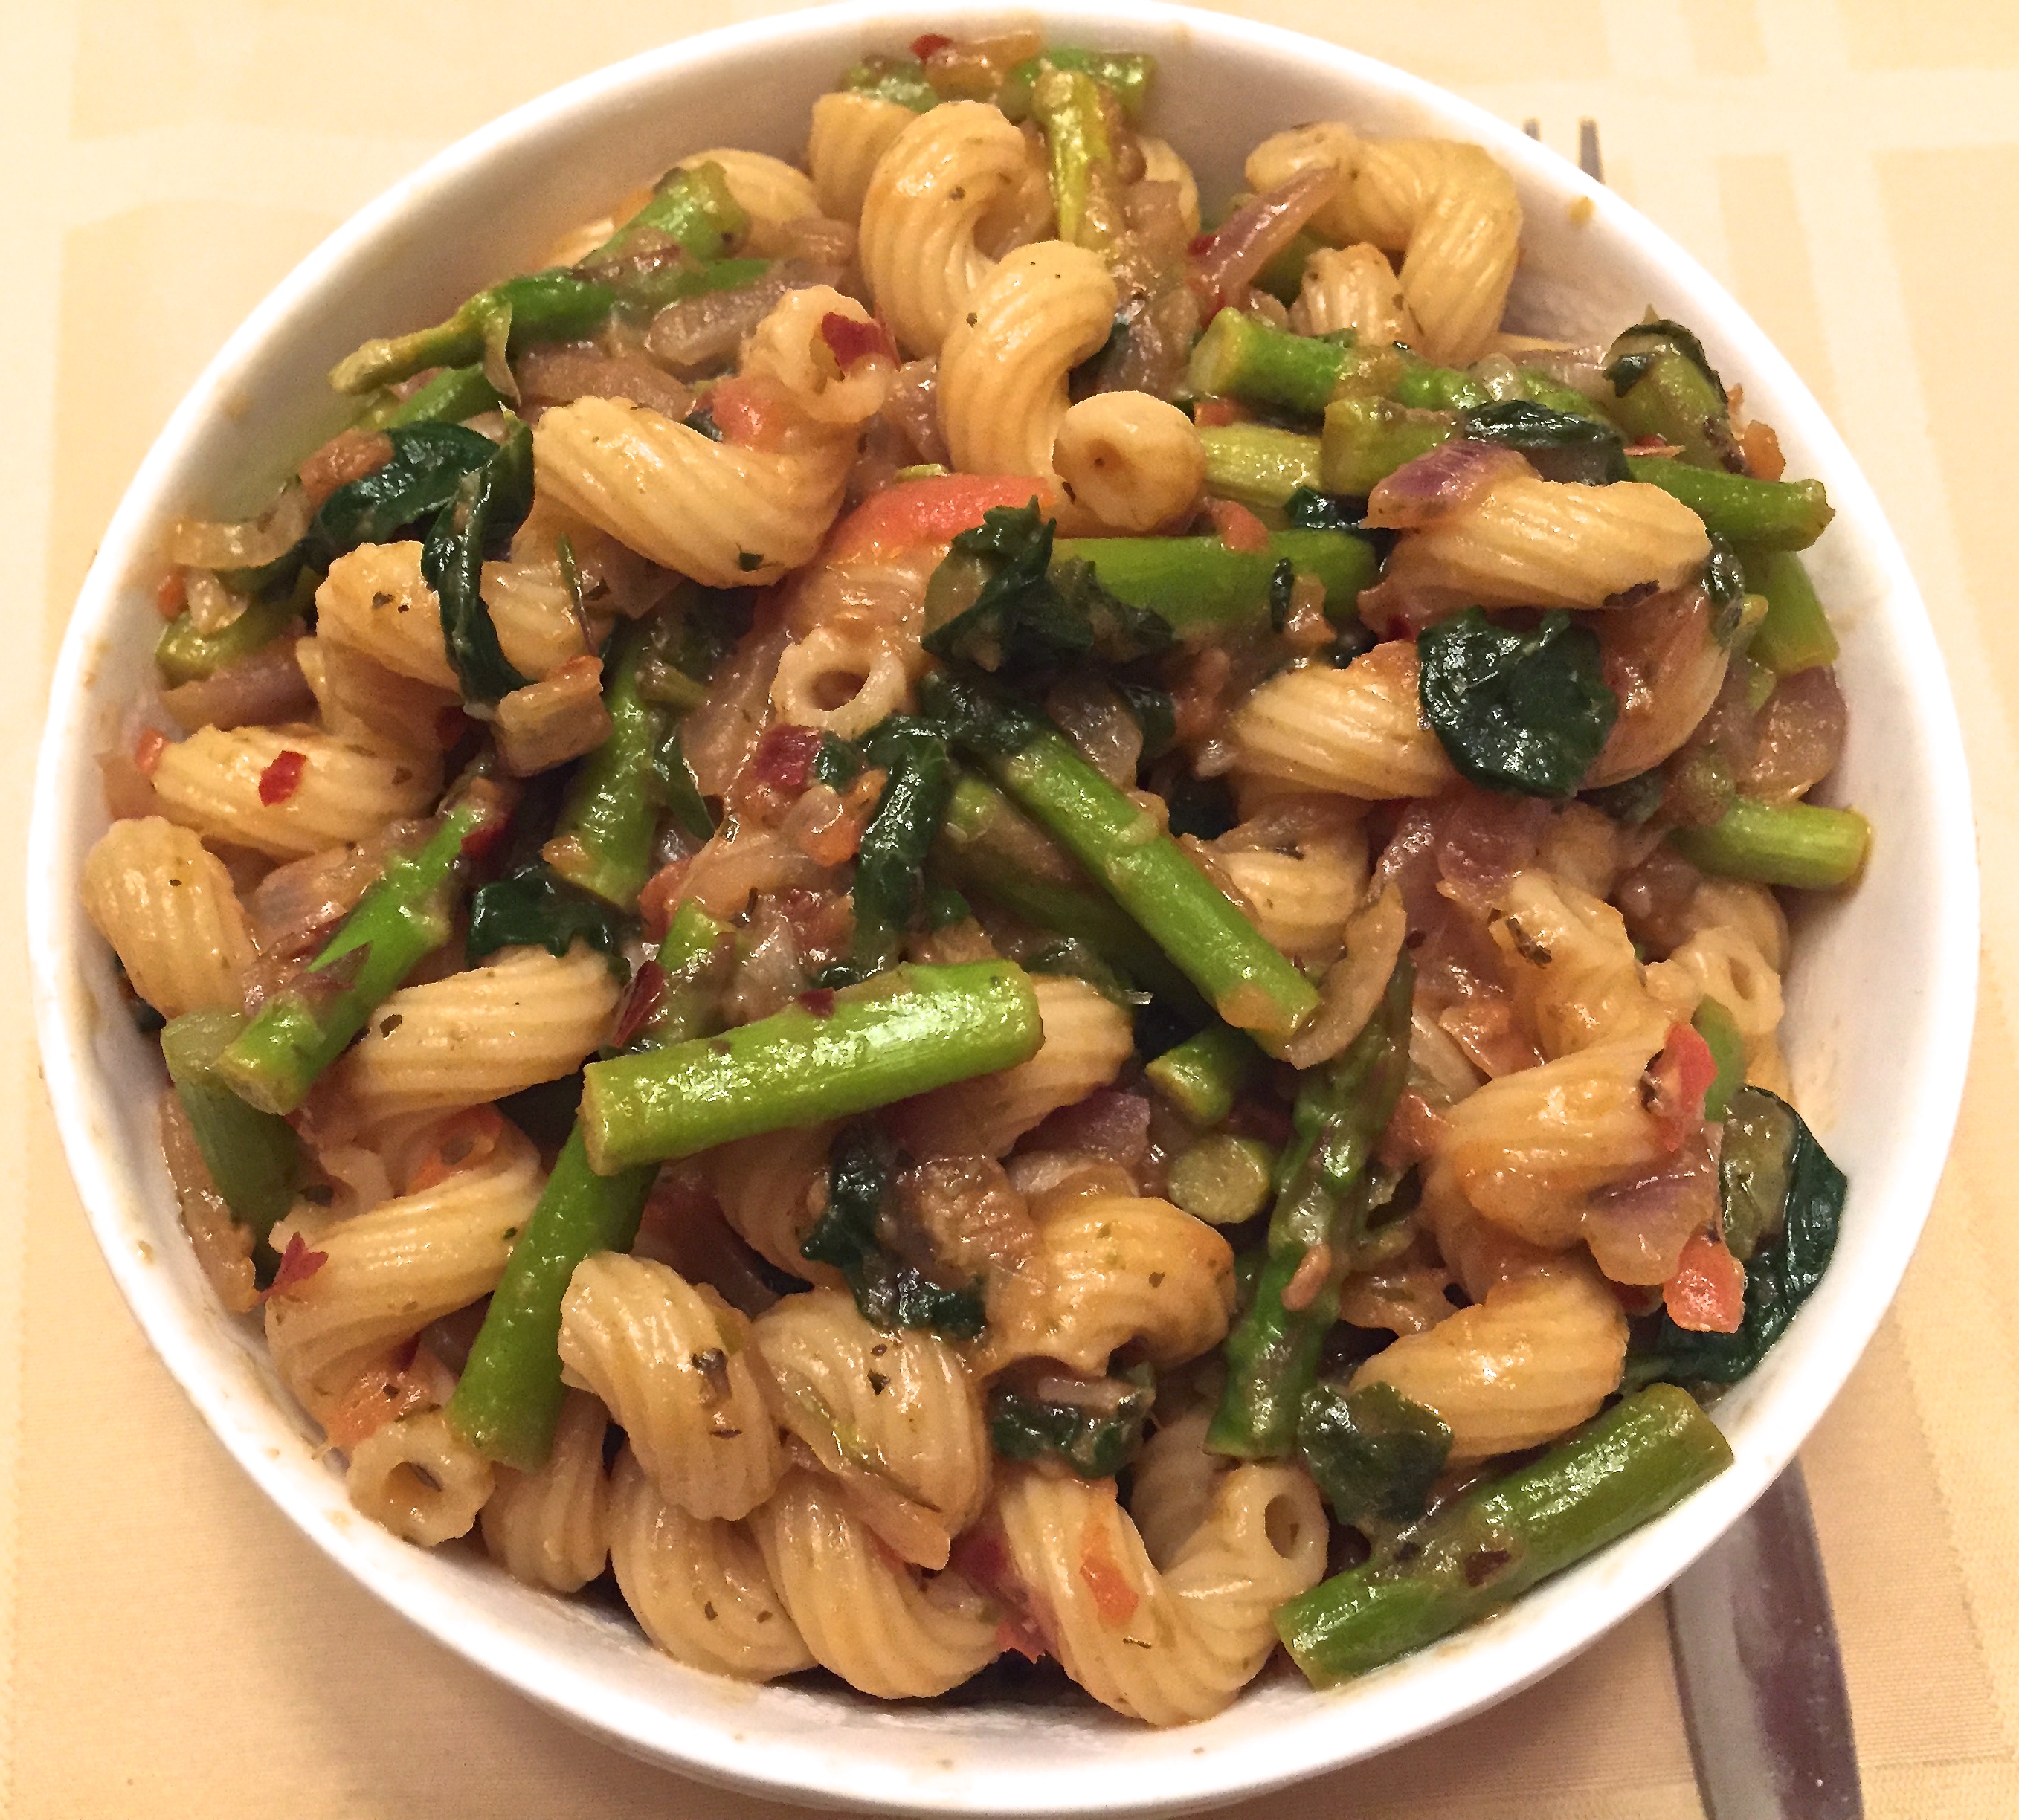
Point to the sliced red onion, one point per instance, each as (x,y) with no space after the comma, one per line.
(1259,230)
(1450,476)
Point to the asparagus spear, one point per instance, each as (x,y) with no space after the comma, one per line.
(1720,1031)
(1246,981)
(1366,439)
(252,1155)
(1272,1354)
(1664,386)
(1256,465)
(1204,1074)
(692,208)
(1796,634)
(183,654)
(509,1398)
(1125,74)
(405,917)
(1067,104)
(1221,1179)
(1242,356)
(1644,1454)
(1200,587)
(905,1032)
(453,395)
(986,846)
(1797,844)
(1759,515)
(603,838)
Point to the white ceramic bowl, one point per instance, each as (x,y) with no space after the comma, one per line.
(1879,1001)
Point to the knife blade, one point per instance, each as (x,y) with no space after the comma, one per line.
(1761,1677)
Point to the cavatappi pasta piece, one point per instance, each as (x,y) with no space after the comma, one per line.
(1171,1485)
(1161,163)
(517,1019)
(697,1585)
(928,198)
(419,1479)
(386,1274)
(894,1416)
(1446,206)
(850,132)
(1111,1269)
(1537,1357)
(1358,731)
(1751,909)
(879,1624)
(1477,1253)
(1527,1146)
(770,190)
(1087,1038)
(1354,288)
(1725,964)
(359,699)
(1131,461)
(1175,1644)
(346,790)
(1302,871)
(727,515)
(1573,967)
(769,1188)
(552,1527)
(843,677)
(1526,541)
(1002,371)
(671,1363)
(165,903)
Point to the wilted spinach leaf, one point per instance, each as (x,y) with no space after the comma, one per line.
(1374,1453)
(534,907)
(889,867)
(1724,582)
(1559,445)
(1645,343)
(1309,510)
(428,462)
(1521,711)
(488,504)
(1095,1436)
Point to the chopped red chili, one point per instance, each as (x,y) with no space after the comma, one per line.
(282,778)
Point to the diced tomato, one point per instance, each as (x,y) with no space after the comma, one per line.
(298,1264)
(1101,1574)
(927,42)
(785,756)
(751,414)
(981,1557)
(1213,413)
(1677,1081)
(172,595)
(648,987)
(849,341)
(282,778)
(1238,528)
(147,749)
(1707,1293)
(932,511)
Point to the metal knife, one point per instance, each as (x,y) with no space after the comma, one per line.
(1762,1680)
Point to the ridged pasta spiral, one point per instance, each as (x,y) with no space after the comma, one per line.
(1172,1645)
(893,1414)
(1171,1485)
(552,1527)
(417,1477)
(1358,731)
(767,1187)
(878,1623)
(771,192)
(1354,288)
(850,132)
(1573,968)
(1131,462)
(928,198)
(165,903)
(672,1364)
(698,1585)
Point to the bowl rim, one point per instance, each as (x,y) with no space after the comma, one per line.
(1529,1641)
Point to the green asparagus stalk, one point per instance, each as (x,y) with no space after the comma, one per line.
(252,1155)
(1760,515)
(692,208)
(183,654)
(1204,1074)
(1067,104)
(603,838)
(1422,385)
(1245,979)
(1366,439)
(1664,386)
(1797,844)
(1200,587)
(1283,276)
(452,395)
(538,306)
(1242,356)
(903,1032)
(988,846)
(404,918)
(509,1399)
(1646,1453)
(1257,466)
(1796,634)
(1720,1031)
(1221,1179)
(1125,74)
(1342,1110)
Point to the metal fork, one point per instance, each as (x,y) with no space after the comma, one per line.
(1588,159)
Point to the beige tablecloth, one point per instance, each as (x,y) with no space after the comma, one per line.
(169,1646)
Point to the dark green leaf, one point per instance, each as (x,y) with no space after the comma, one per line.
(861,1167)
(1778,1185)
(837,764)
(1283,585)
(1309,510)
(489,504)
(945,907)
(1374,1453)
(1724,582)
(977,718)
(1559,445)
(701,421)
(1095,1439)
(1646,343)
(1155,713)
(890,866)
(1525,712)
(428,462)
(535,908)
(1632,801)
(678,794)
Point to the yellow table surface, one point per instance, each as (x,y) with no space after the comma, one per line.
(170,1646)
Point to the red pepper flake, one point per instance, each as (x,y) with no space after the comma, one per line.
(648,987)
(172,595)
(147,749)
(819,1001)
(1238,528)
(927,42)
(1197,247)
(464,1141)
(282,778)
(752,414)
(1217,413)
(849,341)
(785,756)
(1707,1293)
(298,1264)
(982,1557)
(1672,1089)
(483,837)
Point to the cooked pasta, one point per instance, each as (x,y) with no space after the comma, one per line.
(1086,823)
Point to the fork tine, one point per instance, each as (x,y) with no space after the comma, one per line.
(1589,160)
(1532,128)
